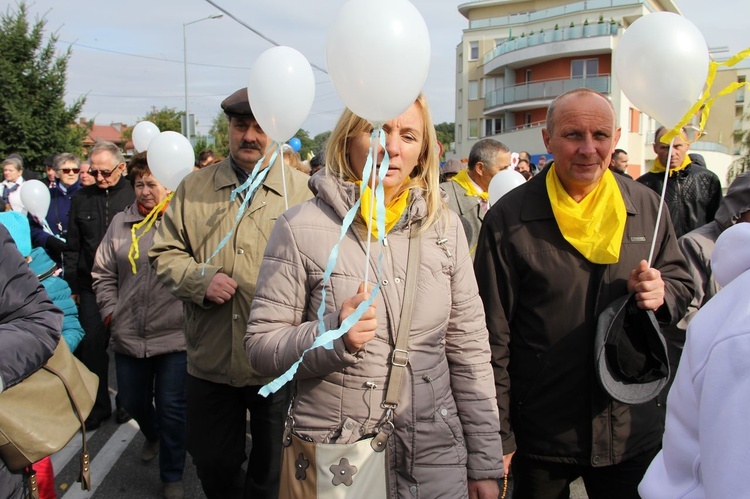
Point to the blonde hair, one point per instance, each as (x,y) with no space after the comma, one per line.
(426,175)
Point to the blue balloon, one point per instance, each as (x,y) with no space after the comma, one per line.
(295,143)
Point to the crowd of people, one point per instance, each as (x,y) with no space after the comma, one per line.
(210,292)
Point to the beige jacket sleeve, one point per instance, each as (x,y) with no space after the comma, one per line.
(104,272)
(173,259)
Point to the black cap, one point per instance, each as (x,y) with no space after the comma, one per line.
(237,105)
(631,352)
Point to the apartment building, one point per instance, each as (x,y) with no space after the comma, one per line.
(515,57)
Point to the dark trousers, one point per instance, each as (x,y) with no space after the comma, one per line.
(549,480)
(92,351)
(216,428)
(160,379)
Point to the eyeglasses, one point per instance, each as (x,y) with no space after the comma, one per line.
(104,173)
(68,171)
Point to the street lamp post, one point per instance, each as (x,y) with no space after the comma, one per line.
(184,58)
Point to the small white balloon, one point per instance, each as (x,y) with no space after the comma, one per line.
(661,65)
(281,90)
(143,133)
(170,158)
(35,198)
(502,183)
(378,56)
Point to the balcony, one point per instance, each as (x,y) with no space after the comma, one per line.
(546,14)
(551,36)
(516,96)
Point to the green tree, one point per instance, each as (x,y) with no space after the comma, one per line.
(320,141)
(220,131)
(446,135)
(166,119)
(34,119)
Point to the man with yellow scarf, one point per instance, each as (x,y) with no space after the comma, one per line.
(693,191)
(552,254)
(468,190)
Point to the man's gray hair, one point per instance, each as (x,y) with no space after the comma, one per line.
(486,151)
(66,157)
(103,145)
(17,163)
(551,109)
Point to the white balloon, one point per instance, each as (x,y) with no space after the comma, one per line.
(143,133)
(502,183)
(281,90)
(35,198)
(170,158)
(661,65)
(378,55)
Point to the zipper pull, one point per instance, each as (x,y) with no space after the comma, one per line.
(385,241)
(441,242)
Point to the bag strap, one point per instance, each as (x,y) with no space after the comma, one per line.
(85,475)
(400,354)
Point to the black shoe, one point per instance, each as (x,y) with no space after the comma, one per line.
(93,421)
(122,416)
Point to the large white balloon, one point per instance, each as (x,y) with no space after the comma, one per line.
(502,183)
(661,64)
(378,55)
(143,133)
(35,198)
(170,158)
(281,90)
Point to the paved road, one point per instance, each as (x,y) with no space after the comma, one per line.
(117,471)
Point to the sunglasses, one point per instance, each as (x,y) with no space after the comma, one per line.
(104,173)
(68,171)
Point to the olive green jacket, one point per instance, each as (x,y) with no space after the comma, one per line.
(199,216)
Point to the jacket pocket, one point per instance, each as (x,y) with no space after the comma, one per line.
(439,442)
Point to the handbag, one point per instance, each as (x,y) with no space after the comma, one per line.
(337,471)
(42,413)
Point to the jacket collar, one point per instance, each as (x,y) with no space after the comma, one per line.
(536,205)
(226,177)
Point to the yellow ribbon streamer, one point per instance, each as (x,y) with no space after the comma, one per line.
(706,100)
(152,216)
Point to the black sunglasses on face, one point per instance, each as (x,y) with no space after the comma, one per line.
(104,173)
(68,170)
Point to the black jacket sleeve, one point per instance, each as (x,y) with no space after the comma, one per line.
(30,323)
(72,247)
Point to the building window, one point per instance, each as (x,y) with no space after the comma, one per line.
(493,126)
(528,75)
(473,51)
(582,68)
(460,134)
(634,124)
(460,63)
(460,98)
(527,119)
(473,129)
(473,89)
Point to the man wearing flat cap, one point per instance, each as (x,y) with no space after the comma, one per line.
(216,280)
(555,255)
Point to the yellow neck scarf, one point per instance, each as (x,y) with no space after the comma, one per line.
(462,178)
(393,210)
(659,168)
(595,225)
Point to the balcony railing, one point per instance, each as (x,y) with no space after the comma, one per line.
(551,36)
(547,89)
(541,15)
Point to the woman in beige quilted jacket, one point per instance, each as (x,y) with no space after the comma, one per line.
(446,439)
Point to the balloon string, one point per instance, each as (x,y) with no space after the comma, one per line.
(325,339)
(374,150)
(706,101)
(134,252)
(283,181)
(661,202)
(250,185)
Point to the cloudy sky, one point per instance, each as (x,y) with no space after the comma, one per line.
(128,56)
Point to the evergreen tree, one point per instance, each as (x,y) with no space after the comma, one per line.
(34,119)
